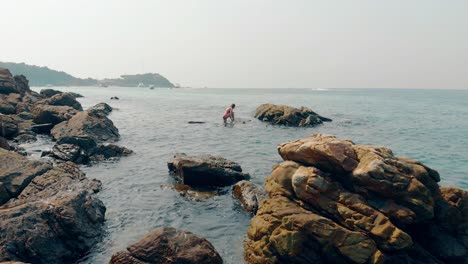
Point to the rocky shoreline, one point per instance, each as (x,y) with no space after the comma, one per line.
(48,208)
(329,201)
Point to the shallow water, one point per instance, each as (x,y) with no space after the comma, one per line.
(428,125)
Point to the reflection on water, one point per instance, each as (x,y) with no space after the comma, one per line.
(427,125)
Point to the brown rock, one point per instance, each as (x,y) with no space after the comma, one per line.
(101,108)
(7,83)
(86,125)
(205,170)
(167,245)
(45,114)
(369,170)
(56,218)
(289,116)
(328,190)
(22,84)
(16,172)
(63,99)
(8,126)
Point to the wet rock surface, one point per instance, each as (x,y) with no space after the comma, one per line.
(205,170)
(249,195)
(332,201)
(289,116)
(168,245)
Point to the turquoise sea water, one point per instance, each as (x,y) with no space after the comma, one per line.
(427,125)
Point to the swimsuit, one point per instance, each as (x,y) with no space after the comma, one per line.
(227,113)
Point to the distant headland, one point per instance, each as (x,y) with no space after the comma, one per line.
(43,76)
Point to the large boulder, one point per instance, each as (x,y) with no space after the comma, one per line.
(16,172)
(7,83)
(52,114)
(63,99)
(56,218)
(101,108)
(206,170)
(86,126)
(49,92)
(332,201)
(82,155)
(9,126)
(168,245)
(22,84)
(289,116)
(248,194)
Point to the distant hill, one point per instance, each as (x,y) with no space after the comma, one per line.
(42,76)
(134,80)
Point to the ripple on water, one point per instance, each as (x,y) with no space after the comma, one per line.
(426,125)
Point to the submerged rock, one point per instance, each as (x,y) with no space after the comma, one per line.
(168,245)
(332,201)
(289,116)
(206,170)
(249,195)
(114,98)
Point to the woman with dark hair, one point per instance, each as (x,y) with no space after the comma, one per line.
(229,113)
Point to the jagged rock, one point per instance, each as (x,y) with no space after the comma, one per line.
(16,172)
(369,171)
(101,108)
(85,127)
(80,155)
(206,170)
(7,104)
(289,116)
(7,83)
(8,126)
(49,92)
(69,152)
(56,219)
(22,84)
(249,195)
(168,245)
(63,99)
(45,114)
(332,201)
(106,151)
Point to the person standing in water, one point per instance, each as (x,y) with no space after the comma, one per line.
(229,113)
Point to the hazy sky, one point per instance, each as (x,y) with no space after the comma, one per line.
(246,43)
